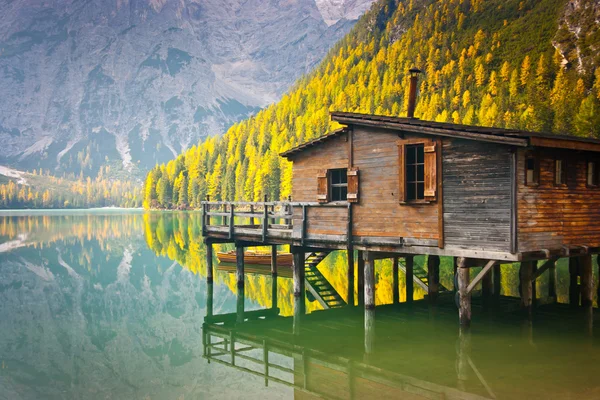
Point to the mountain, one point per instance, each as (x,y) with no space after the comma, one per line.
(523,64)
(130,83)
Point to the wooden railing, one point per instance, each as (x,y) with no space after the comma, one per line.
(281,219)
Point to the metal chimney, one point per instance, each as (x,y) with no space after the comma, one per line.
(412,95)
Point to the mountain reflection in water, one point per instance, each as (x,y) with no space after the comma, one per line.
(113,305)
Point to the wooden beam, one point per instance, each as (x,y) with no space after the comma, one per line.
(587,284)
(410,289)
(369,281)
(497,281)
(209,262)
(548,264)
(573,284)
(239,262)
(433,276)
(552,280)
(274,260)
(395,284)
(464,295)
(565,144)
(361,278)
(298,274)
(526,289)
(480,275)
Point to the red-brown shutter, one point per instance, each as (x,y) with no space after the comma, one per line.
(322,186)
(353,185)
(430,170)
(401,173)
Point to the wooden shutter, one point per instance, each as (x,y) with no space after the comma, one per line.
(401,172)
(430,170)
(322,186)
(353,185)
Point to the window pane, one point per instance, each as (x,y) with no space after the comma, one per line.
(344,193)
(420,173)
(410,192)
(343,176)
(530,164)
(530,176)
(420,191)
(420,153)
(592,174)
(410,173)
(410,155)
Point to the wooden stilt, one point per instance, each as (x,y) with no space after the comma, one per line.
(587,284)
(552,280)
(534,268)
(350,276)
(455,264)
(395,285)
(274,291)
(526,286)
(369,280)
(239,262)
(209,300)
(463,351)
(298,273)
(497,277)
(274,260)
(298,313)
(487,287)
(240,304)
(573,284)
(209,262)
(433,276)
(464,297)
(361,278)
(410,288)
(369,331)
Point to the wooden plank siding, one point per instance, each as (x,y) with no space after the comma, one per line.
(328,155)
(379,212)
(551,216)
(477,195)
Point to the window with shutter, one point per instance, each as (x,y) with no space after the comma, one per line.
(353,185)
(322,186)
(417,171)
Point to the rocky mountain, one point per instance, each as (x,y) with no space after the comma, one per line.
(129,83)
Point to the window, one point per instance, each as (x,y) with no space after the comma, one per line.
(560,172)
(418,163)
(415,172)
(338,184)
(592,174)
(532,170)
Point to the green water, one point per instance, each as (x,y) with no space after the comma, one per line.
(113,305)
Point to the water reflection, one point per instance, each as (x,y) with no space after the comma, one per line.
(117,306)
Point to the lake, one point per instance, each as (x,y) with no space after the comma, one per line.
(112,304)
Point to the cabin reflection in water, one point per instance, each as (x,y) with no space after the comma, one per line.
(408,351)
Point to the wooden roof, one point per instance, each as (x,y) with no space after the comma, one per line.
(512,137)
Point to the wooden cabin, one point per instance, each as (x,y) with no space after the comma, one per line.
(398,187)
(440,188)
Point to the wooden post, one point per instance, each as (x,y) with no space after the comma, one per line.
(209,262)
(239,261)
(487,286)
(455,281)
(298,312)
(395,285)
(497,273)
(552,280)
(463,350)
(209,299)
(361,278)
(573,284)
(534,268)
(410,288)
(464,299)
(587,284)
(526,286)
(240,304)
(274,260)
(273,291)
(433,276)
(369,331)
(298,273)
(252,217)
(369,280)
(350,275)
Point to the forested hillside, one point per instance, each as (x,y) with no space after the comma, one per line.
(507,63)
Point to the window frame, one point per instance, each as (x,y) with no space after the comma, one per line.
(343,173)
(596,183)
(563,172)
(532,155)
(415,182)
(432,152)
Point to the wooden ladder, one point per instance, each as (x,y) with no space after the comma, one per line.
(317,285)
(421,277)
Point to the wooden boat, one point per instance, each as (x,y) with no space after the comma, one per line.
(256,258)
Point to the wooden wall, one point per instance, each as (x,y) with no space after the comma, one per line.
(551,216)
(379,212)
(328,155)
(477,195)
